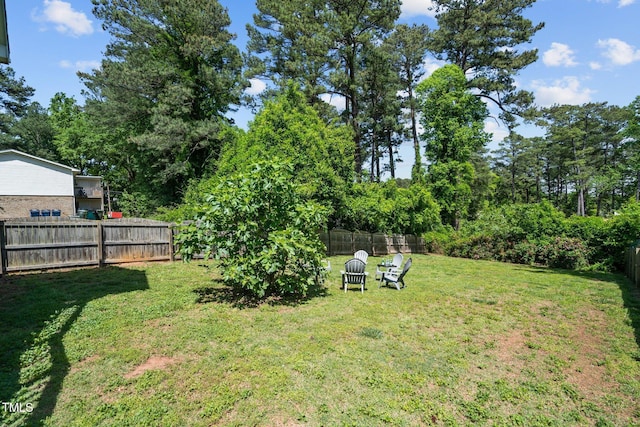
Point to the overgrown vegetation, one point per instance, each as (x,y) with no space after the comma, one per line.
(541,234)
(465,343)
(263,234)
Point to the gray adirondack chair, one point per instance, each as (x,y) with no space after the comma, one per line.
(361,255)
(396,262)
(354,274)
(396,277)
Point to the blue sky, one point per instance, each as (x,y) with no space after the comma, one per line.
(589,50)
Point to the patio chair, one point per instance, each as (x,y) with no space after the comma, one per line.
(396,262)
(361,255)
(395,276)
(354,274)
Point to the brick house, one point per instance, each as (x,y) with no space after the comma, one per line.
(29,183)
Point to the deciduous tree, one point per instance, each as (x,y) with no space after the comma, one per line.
(453,120)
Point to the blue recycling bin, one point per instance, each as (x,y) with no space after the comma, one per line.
(55,212)
(35,213)
(45,212)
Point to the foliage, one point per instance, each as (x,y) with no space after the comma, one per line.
(385,207)
(453,120)
(289,129)
(14,96)
(75,139)
(520,233)
(14,103)
(169,75)
(264,235)
(136,204)
(541,234)
(34,134)
(321,45)
(436,241)
(485,39)
(623,231)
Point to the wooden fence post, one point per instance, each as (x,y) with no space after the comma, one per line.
(3,250)
(636,265)
(172,256)
(100,242)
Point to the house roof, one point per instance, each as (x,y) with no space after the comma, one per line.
(39,159)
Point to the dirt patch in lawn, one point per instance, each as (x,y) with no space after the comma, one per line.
(153,363)
(583,367)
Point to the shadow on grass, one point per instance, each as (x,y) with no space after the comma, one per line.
(629,292)
(36,310)
(223,294)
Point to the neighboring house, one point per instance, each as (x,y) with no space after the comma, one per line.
(31,183)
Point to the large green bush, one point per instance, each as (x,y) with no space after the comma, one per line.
(520,233)
(261,231)
(623,230)
(287,128)
(541,234)
(385,207)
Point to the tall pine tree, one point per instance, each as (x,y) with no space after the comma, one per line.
(168,77)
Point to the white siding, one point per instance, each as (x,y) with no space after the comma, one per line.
(24,176)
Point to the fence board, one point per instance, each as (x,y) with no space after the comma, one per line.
(632,268)
(33,245)
(343,242)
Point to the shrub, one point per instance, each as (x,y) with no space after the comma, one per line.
(622,231)
(563,252)
(265,237)
(436,241)
(534,221)
(527,234)
(593,231)
(385,207)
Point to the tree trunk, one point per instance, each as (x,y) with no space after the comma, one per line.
(392,166)
(417,165)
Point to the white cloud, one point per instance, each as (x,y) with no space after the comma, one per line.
(621,3)
(64,18)
(337,101)
(564,91)
(619,52)
(412,8)
(430,65)
(493,127)
(559,55)
(256,88)
(80,65)
(595,65)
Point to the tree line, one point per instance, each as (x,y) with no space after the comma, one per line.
(155,119)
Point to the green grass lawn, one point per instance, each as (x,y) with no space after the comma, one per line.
(465,343)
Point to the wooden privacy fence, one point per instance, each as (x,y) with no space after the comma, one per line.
(633,263)
(32,244)
(37,244)
(343,242)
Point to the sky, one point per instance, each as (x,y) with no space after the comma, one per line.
(588,51)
